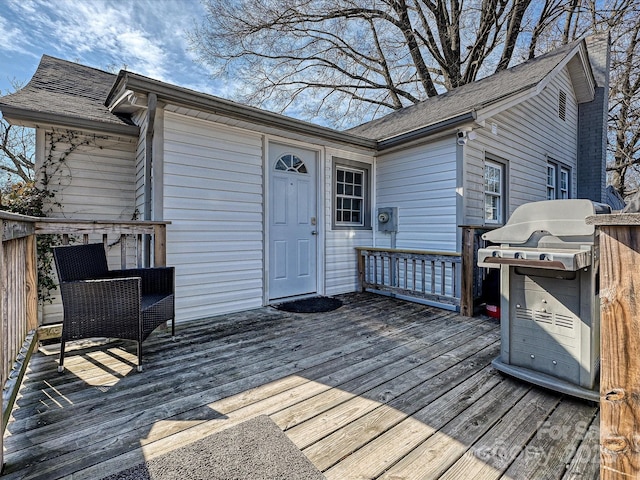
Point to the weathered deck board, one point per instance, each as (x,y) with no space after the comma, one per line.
(380,388)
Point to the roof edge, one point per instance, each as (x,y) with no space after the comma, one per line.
(426,130)
(33,118)
(203,101)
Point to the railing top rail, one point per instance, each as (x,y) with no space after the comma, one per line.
(613,219)
(63,221)
(409,252)
(70,226)
(17,217)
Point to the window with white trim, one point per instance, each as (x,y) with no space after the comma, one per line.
(564,182)
(493,192)
(558,180)
(551,181)
(351,203)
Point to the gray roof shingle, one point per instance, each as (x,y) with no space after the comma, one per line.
(464,99)
(60,87)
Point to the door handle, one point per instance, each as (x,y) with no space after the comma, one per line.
(314,232)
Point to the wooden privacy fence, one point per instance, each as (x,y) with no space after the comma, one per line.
(620,345)
(433,276)
(142,243)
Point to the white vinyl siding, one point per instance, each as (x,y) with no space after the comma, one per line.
(527,134)
(421,182)
(97,181)
(341,274)
(213,196)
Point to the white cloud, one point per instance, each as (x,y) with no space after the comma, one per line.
(149,36)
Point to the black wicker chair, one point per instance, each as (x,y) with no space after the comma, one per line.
(98,302)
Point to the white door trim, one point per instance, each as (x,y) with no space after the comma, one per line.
(320,152)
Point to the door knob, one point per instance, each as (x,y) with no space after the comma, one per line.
(314,232)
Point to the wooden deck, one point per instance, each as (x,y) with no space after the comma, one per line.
(380,388)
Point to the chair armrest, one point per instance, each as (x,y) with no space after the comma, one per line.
(157,280)
(104,307)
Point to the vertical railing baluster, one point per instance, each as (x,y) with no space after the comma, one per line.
(139,250)
(123,251)
(375,269)
(454,280)
(433,276)
(413,263)
(406,273)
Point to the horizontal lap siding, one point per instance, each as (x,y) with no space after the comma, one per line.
(527,134)
(96,182)
(213,198)
(421,182)
(341,272)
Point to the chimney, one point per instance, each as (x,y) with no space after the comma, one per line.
(592,124)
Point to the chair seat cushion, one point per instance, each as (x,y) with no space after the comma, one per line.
(149,300)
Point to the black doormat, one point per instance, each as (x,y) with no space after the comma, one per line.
(311,305)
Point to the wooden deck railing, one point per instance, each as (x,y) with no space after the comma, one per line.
(18,304)
(19,322)
(433,276)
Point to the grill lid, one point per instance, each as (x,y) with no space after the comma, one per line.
(559,218)
(551,234)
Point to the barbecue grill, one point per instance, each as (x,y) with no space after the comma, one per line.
(550,310)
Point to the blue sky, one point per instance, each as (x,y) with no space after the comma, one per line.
(148,36)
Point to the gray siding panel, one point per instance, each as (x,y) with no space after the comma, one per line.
(528,134)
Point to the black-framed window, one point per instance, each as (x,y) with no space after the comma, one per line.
(351,194)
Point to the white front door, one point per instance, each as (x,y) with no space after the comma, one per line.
(293,229)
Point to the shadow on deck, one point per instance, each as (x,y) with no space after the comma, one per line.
(380,388)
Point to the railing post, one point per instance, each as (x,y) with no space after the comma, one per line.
(361,270)
(620,345)
(466,287)
(159,246)
(31,284)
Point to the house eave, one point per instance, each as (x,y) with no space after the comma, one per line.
(29,118)
(428,130)
(210,104)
